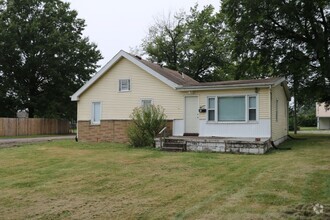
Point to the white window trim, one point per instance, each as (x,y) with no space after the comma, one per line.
(246,121)
(120,84)
(208,108)
(248,108)
(92,113)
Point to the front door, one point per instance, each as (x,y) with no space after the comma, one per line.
(191,115)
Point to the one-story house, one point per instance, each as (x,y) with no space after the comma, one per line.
(255,108)
(323,116)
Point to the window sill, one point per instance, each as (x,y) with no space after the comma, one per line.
(124,91)
(232,122)
(95,124)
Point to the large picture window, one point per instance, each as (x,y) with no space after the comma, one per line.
(96,113)
(232,108)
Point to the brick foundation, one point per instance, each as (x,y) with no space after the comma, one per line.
(109,131)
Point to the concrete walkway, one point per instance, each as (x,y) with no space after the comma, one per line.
(11,142)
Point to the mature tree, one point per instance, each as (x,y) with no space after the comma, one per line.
(44,57)
(190,43)
(289,35)
(165,41)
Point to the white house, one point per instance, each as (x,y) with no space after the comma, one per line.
(255,108)
(323,116)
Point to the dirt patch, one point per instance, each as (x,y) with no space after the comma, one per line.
(16,142)
(308,211)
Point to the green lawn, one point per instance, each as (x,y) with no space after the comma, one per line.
(69,180)
(308,128)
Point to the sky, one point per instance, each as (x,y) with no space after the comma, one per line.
(122,24)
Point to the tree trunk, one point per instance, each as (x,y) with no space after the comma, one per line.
(31,111)
(295,108)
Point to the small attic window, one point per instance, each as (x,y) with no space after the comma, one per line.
(124,85)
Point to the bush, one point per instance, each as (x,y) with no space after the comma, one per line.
(147,123)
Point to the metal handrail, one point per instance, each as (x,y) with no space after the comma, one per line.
(160,138)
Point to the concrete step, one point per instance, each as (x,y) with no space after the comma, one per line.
(174,146)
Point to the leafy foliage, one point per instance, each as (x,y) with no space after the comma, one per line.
(190,43)
(287,38)
(44,57)
(147,123)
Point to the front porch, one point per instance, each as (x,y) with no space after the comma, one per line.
(215,144)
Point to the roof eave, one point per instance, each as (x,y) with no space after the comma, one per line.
(222,87)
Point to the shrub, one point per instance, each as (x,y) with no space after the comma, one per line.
(147,122)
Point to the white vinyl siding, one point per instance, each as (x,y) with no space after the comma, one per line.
(124,85)
(96,113)
(279,113)
(120,105)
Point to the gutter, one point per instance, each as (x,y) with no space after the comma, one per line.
(221,87)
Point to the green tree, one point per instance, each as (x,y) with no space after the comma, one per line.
(192,43)
(164,42)
(269,33)
(44,56)
(283,38)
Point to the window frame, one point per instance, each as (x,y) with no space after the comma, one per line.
(249,108)
(93,122)
(232,121)
(146,99)
(246,121)
(276,110)
(213,109)
(121,84)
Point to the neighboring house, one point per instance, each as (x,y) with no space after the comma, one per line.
(323,116)
(242,108)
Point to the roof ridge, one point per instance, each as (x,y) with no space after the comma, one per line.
(173,75)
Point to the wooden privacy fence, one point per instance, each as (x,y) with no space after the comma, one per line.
(32,126)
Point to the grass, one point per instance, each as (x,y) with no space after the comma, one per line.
(68,180)
(308,128)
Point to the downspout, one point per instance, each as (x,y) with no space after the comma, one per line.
(287,118)
(271,112)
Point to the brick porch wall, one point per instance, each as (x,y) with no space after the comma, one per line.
(109,131)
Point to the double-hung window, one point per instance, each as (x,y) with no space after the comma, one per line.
(252,108)
(96,113)
(124,85)
(211,109)
(146,103)
(241,108)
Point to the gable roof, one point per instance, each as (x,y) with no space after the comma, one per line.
(180,79)
(177,80)
(170,77)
